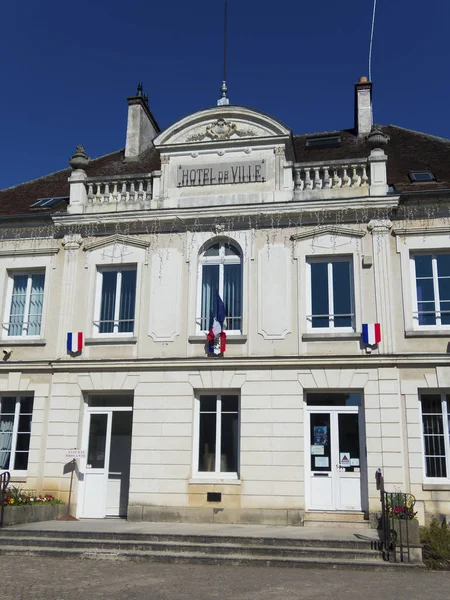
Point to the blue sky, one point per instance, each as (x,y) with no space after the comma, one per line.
(67,68)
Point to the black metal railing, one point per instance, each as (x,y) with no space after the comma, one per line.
(4,482)
(397,512)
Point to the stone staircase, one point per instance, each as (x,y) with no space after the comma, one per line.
(360,553)
(356,520)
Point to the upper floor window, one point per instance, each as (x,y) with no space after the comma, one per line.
(331,304)
(15,430)
(24,303)
(436,435)
(432,302)
(220,273)
(115,300)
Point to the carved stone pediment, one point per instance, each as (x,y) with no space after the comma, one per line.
(116,239)
(334,230)
(221,124)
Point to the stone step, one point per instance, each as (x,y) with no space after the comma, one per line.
(181,546)
(333,524)
(232,559)
(328,515)
(208,540)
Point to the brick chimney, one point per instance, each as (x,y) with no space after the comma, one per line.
(141,127)
(363,107)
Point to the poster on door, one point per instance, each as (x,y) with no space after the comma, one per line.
(320,435)
(344,459)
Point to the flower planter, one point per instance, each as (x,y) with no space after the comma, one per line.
(16,515)
(409,537)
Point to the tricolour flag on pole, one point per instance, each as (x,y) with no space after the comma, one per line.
(217,337)
(74,341)
(371,333)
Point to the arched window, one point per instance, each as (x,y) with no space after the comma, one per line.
(220,273)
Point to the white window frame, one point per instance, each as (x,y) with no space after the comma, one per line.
(445,406)
(98,300)
(17,472)
(9,293)
(437,312)
(221,260)
(217,474)
(329,260)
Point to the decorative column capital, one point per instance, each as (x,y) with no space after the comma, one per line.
(380,225)
(72,241)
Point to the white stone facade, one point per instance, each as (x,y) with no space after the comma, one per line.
(278,356)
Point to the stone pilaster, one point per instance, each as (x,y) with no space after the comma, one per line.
(382,272)
(71,244)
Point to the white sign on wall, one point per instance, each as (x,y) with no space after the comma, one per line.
(222,174)
(75,453)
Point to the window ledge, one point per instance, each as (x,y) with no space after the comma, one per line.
(212,481)
(113,340)
(231,339)
(427,333)
(23,342)
(330,335)
(436,487)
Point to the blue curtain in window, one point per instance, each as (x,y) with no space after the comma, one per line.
(342,294)
(108,303)
(127,301)
(36,304)
(18,301)
(232,296)
(319,295)
(210,287)
(425,290)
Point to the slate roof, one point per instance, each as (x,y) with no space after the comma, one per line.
(407,151)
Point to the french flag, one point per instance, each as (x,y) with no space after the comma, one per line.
(371,333)
(74,341)
(217,338)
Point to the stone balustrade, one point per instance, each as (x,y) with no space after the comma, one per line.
(339,174)
(131,188)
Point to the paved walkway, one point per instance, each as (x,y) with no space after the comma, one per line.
(39,578)
(122,526)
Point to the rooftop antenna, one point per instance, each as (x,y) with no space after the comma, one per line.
(224,100)
(371,39)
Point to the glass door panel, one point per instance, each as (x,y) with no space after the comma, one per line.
(320,448)
(97,441)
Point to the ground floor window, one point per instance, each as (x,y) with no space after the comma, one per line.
(217,434)
(15,430)
(436,435)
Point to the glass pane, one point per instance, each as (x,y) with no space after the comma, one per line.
(432,425)
(319,295)
(320,442)
(207,442)
(342,294)
(208,404)
(443,265)
(426,313)
(110,401)
(431,403)
(232,296)
(435,466)
(25,423)
(444,289)
(212,250)
(4,458)
(8,406)
(425,290)
(230,403)
(23,442)
(423,265)
(108,302)
(18,300)
(445,313)
(229,443)
(127,301)
(349,440)
(21,461)
(231,250)
(334,399)
(119,458)
(6,433)
(97,441)
(210,287)
(36,304)
(434,445)
(26,405)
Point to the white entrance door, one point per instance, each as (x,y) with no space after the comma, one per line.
(334,458)
(107,474)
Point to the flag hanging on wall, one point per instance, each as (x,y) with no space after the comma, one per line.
(217,338)
(371,333)
(74,341)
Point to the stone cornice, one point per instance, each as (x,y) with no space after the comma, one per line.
(257,363)
(48,251)
(435,230)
